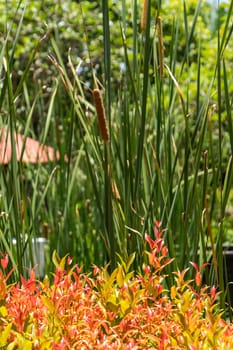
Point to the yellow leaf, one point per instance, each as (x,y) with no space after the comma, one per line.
(46,281)
(12,345)
(4,335)
(63,262)
(56,259)
(20,344)
(173,292)
(125,306)
(112,304)
(45,345)
(128,276)
(110,279)
(3,311)
(47,302)
(120,277)
(130,261)
(24,344)
(185,301)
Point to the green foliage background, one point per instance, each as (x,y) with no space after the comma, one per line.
(171,138)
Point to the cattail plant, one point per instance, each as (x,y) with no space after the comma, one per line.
(144,15)
(100,110)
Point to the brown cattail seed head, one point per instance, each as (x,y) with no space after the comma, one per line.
(144,15)
(100,110)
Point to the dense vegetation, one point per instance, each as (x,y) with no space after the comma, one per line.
(121,310)
(167,90)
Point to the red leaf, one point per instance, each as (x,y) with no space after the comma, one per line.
(5,261)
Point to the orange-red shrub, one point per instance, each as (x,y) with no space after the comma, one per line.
(121,310)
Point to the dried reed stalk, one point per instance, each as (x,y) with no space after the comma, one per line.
(115,191)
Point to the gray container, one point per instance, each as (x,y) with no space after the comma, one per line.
(39,245)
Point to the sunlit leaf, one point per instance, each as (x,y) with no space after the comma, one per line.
(56,259)
(130,261)
(48,303)
(125,305)
(120,276)
(5,334)
(3,311)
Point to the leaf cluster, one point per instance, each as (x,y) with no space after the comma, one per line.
(118,310)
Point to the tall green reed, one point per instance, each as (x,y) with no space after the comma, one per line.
(162,154)
(10,180)
(164,160)
(24,188)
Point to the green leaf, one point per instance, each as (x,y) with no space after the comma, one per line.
(130,261)
(122,263)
